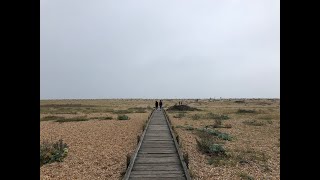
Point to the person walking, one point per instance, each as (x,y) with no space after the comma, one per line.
(160,104)
(156,105)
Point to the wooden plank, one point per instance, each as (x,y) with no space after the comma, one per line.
(157,172)
(158,155)
(159,142)
(166,167)
(157,160)
(157,146)
(158,152)
(158,134)
(158,138)
(158,149)
(157,176)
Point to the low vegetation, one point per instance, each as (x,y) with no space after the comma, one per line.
(182,108)
(103,118)
(123,117)
(241,111)
(73,119)
(52,152)
(210,115)
(51,118)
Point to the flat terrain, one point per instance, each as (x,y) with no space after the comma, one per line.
(97,148)
(254,150)
(98,142)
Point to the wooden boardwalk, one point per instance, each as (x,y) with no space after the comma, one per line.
(157,155)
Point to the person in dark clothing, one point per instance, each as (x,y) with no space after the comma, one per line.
(156,105)
(160,104)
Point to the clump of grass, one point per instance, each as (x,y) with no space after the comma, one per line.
(52,152)
(189,128)
(179,126)
(245,176)
(207,146)
(180,115)
(246,111)
(66,105)
(248,156)
(103,118)
(74,119)
(50,118)
(241,101)
(216,116)
(213,132)
(253,123)
(182,108)
(123,117)
(196,116)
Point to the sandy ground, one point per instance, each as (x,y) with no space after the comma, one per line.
(257,140)
(97,149)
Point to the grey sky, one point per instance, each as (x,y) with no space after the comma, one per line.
(159,49)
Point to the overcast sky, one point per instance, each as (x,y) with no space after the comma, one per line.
(159,49)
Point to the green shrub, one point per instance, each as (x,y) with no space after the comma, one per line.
(74,119)
(245,111)
(189,128)
(216,133)
(123,117)
(50,118)
(209,147)
(52,152)
(103,118)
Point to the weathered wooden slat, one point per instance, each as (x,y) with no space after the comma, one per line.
(157,175)
(157,167)
(158,155)
(157,172)
(157,160)
(158,134)
(157,178)
(158,138)
(157,146)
